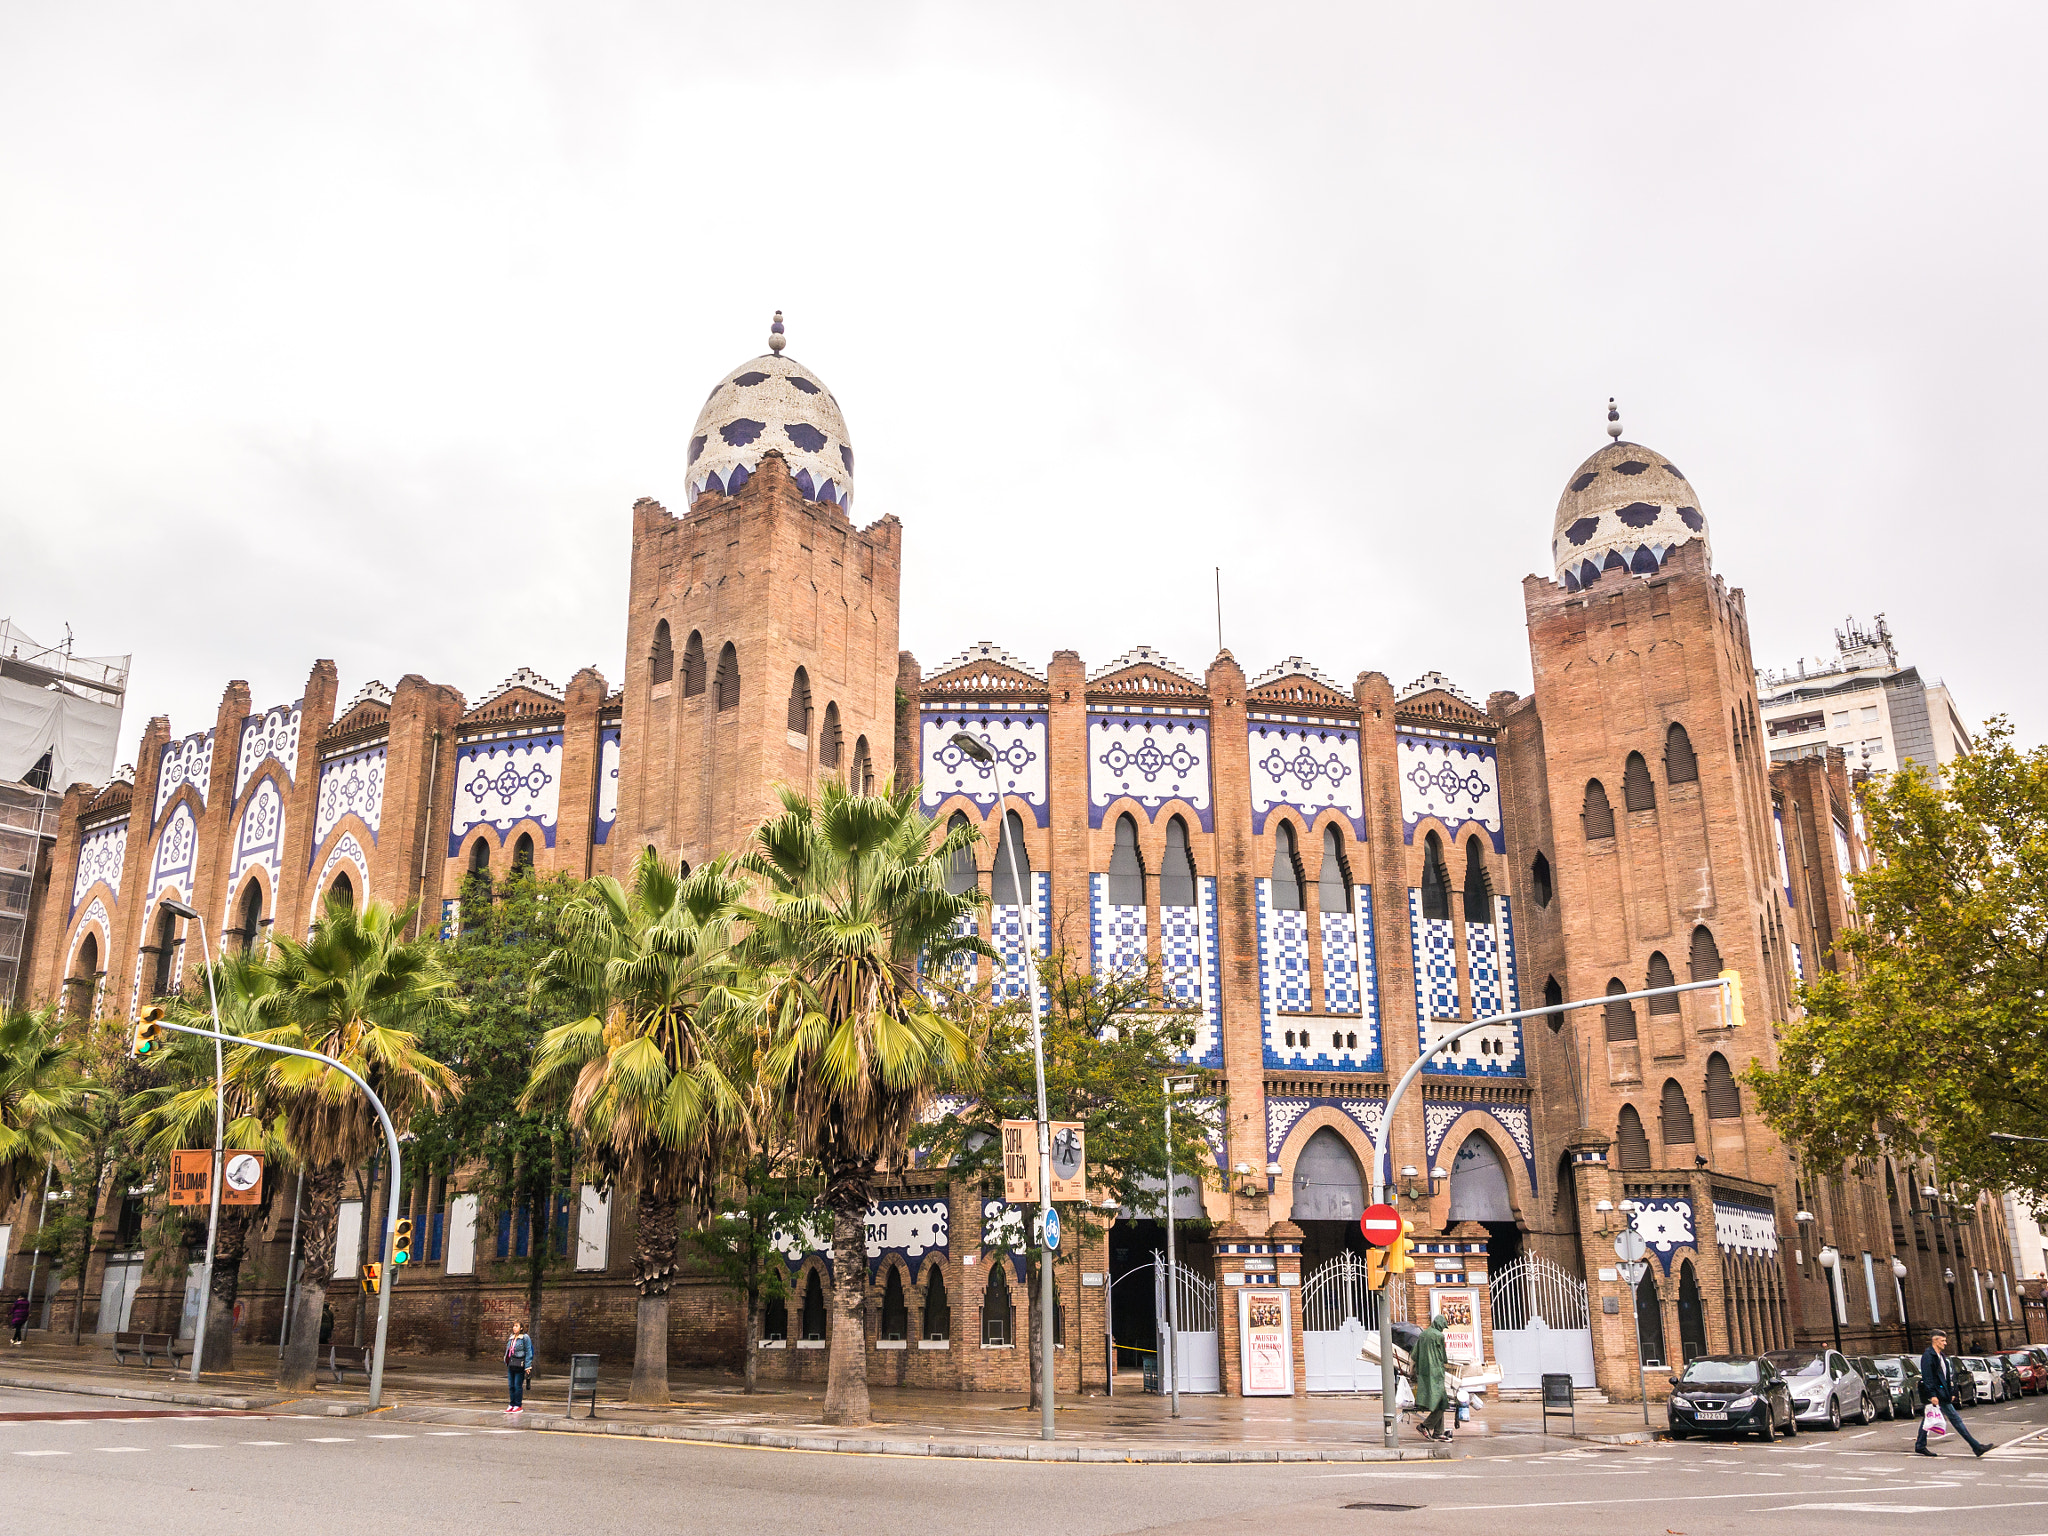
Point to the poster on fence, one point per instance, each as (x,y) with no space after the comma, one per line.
(1266,1341)
(1461,1324)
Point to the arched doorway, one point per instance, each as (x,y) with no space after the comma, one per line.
(1692,1316)
(1329,1197)
(1649,1319)
(1480,1192)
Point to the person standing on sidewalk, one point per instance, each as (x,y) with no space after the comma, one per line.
(518,1366)
(1430,1396)
(1938,1385)
(17,1315)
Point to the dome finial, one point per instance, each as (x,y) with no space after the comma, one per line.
(777,341)
(1613,414)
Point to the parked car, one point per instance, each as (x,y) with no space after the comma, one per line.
(2014,1378)
(1825,1387)
(1731,1395)
(1985,1384)
(1902,1375)
(1880,1386)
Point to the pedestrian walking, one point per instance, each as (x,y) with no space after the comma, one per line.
(18,1315)
(1938,1385)
(1430,1395)
(518,1366)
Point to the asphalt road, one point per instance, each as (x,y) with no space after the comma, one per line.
(145,1470)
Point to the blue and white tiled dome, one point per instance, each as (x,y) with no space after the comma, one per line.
(1623,512)
(772,402)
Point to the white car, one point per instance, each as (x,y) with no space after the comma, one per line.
(1990,1384)
(1825,1388)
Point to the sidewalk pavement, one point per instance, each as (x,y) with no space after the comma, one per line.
(711,1406)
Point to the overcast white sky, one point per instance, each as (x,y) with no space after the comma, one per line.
(354,332)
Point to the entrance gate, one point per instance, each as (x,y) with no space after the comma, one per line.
(1195,1356)
(1338,1315)
(1541,1323)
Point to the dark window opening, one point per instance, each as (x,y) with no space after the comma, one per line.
(1126,883)
(251,917)
(166,949)
(960,871)
(1003,890)
(1649,1319)
(1177,873)
(800,703)
(1631,1143)
(829,741)
(1680,766)
(661,663)
(775,1318)
(1637,792)
(895,1322)
(1288,886)
(1553,995)
(938,1315)
(342,893)
(522,853)
(1478,894)
(728,677)
(1678,1131)
(1539,880)
(998,1318)
(1660,976)
(1706,955)
(1724,1102)
(1621,1016)
(814,1308)
(1598,815)
(1436,888)
(693,665)
(1333,881)
(863,779)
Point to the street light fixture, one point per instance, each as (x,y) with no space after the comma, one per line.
(1899,1282)
(220,1094)
(1831,1261)
(977,750)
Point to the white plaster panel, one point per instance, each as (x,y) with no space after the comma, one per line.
(274,733)
(1310,768)
(101,856)
(183,762)
(607,783)
(1454,781)
(502,783)
(351,785)
(1150,758)
(1018,740)
(175,848)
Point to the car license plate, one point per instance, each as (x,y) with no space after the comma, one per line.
(1711,1413)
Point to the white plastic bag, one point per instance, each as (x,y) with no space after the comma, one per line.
(1934,1423)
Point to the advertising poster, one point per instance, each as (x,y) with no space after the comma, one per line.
(1266,1342)
(1461,1324)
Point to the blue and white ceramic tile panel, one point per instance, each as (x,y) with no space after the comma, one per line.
(1007,1229)
(1118,933)
(911,1228)
(772,402)
(101,856)
(1189,971)
(1309,766)
(1784,867)
(503,782)
(1798,962)
(274,733)
(171,869)
(258,840)
(1282,1114)
(1151,753)
(349,786)
(183,762)
(1745,1228)
(1511,976)
(1012,977)
(1339,934)
(1438,1116)
(607,784)
(1018,740)
(346,850)
(1436,965)
(1482,968)
(803,1237)
(95,913)
(1456,782)
(1666,1226)
(1296,1034)
(961,972)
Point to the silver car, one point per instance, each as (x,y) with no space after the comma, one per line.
(1826,1389)
(1988,1380)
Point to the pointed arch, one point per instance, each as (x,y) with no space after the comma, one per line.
(1637,792)
(862,778)
(1553,997)
(343,890)
(1177,869)
(800,702)
(1659,975)
(1649,1318)
(1680,765)
(1126,883)
(1631,1143)
(830,743)
(998,1316)
(165,951)
(1597,814)
(661,661)
(728,677)
(1478,889)
(1676,1113)
(960,871)
(1436,885)
(814,1320)
(82,985)
(1620,1016)
(894,1322)
(1333,880)
(937,1321)
(522,852)
(1003,890)
(249,914)
(1724,1098)
(1706,955)
(1539,879)
(693,665)
(1289,889)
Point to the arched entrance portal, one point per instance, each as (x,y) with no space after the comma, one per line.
(1329,1197)
(1480,1192)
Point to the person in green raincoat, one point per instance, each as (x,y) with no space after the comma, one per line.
(1430,1396)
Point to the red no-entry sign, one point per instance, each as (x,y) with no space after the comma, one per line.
(1381,1224)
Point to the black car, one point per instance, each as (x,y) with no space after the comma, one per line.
(1901,1374)
(1884,1383)
(1731,1395)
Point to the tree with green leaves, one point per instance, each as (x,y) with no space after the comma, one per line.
(46,1097)
(643,1071)
(1931,1034)
(854,913)
(104,1155)
(1109,1048)
(360,992)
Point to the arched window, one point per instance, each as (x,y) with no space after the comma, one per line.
(1436,886)
(1553,996)
(342,893)
(693,665)
(728,677)
(775,1318)
(800,703)
(1677,1112)
(1333,881)
(1479,1183)
(830,743)
(938,1314)
(1598,815)
(1002,889)
(1649,1317)
(480,858)
(1706,955)
(1288,886)
(814,1308)
(251,915)
(862,781)
(1659,975)
(998,1321)
(1621,1016)
(1126,867)
(1539,880)
(1177,873)
(1692,1314)
(166,947)
(960,871)
(1478,894)
(661,662)
(1735,732)
(522,852)
(1329,1184)
(84,979)
(895,1321)
(1724,1099)
(1631,1146)
(1680,766)
(1637,792)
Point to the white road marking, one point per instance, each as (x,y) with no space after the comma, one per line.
(1685,1498)
(1867,1509)
(454,1432)
(388,1437)
(1865,1435)
(332,1440)
(264,1442)
(197,1445)
(42,1453)
(121,1450)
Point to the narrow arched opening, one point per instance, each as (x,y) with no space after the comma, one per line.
(1126,882)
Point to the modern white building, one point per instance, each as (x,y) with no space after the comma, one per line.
(1882,715)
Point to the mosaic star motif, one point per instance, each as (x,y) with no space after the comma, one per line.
(1305,768)
(1148,762)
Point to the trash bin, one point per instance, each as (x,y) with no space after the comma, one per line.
(1151,1370)
(582,1378)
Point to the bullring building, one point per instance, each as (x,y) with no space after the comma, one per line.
(1326,873)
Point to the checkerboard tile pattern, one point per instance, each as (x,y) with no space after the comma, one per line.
(1505,917)
(1369,976)
(1484,965)
(1189,971)
(961,971)
(1012,979)
(1340,962)
(1436,962)
(1119,932)
(1295,1036)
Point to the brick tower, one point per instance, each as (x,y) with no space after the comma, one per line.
(761,632)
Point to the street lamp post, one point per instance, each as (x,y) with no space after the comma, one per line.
(1948,1274)
(1905,1312)
(1171,1358)
(220,1095)
(1831,1261)
(979,751)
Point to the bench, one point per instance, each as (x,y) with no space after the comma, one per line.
(340,1362)
(149,1345)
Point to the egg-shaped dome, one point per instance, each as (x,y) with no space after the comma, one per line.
(1623,511)
(772,402)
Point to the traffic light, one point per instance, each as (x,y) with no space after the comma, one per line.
(1399,1259)
(148,1036)
(401,1242)
(371,1277)
(1375,1269)
(1732,1004)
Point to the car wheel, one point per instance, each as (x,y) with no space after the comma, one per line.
(1679,1432)
(1834,1412)
(1869,1415)
(1769,1432)
(1791,1421)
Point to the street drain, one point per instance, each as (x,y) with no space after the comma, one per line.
(1387,1508)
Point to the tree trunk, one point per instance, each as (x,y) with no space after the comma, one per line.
(231,1243)
(1033,1303)
(367,1183)
(654,1265)
(539,1207)
(753,1327)
(846,1364)
(92,1220)
(298,1367)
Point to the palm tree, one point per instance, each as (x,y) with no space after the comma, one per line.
(856,909)
(356,991)
(177,1110)
(46,1096)
(645,1076)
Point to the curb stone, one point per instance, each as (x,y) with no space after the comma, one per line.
(241,1404)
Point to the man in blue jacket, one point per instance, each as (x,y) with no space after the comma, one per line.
(1938,1385)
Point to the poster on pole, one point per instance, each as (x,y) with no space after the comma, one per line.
(1020,1162)
(1459,1309)
(1069,1160)
(1265,1332)
(192,1178)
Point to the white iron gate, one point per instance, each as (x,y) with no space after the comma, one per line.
(1541,1323)
(1193,1348)
(1338,1315)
